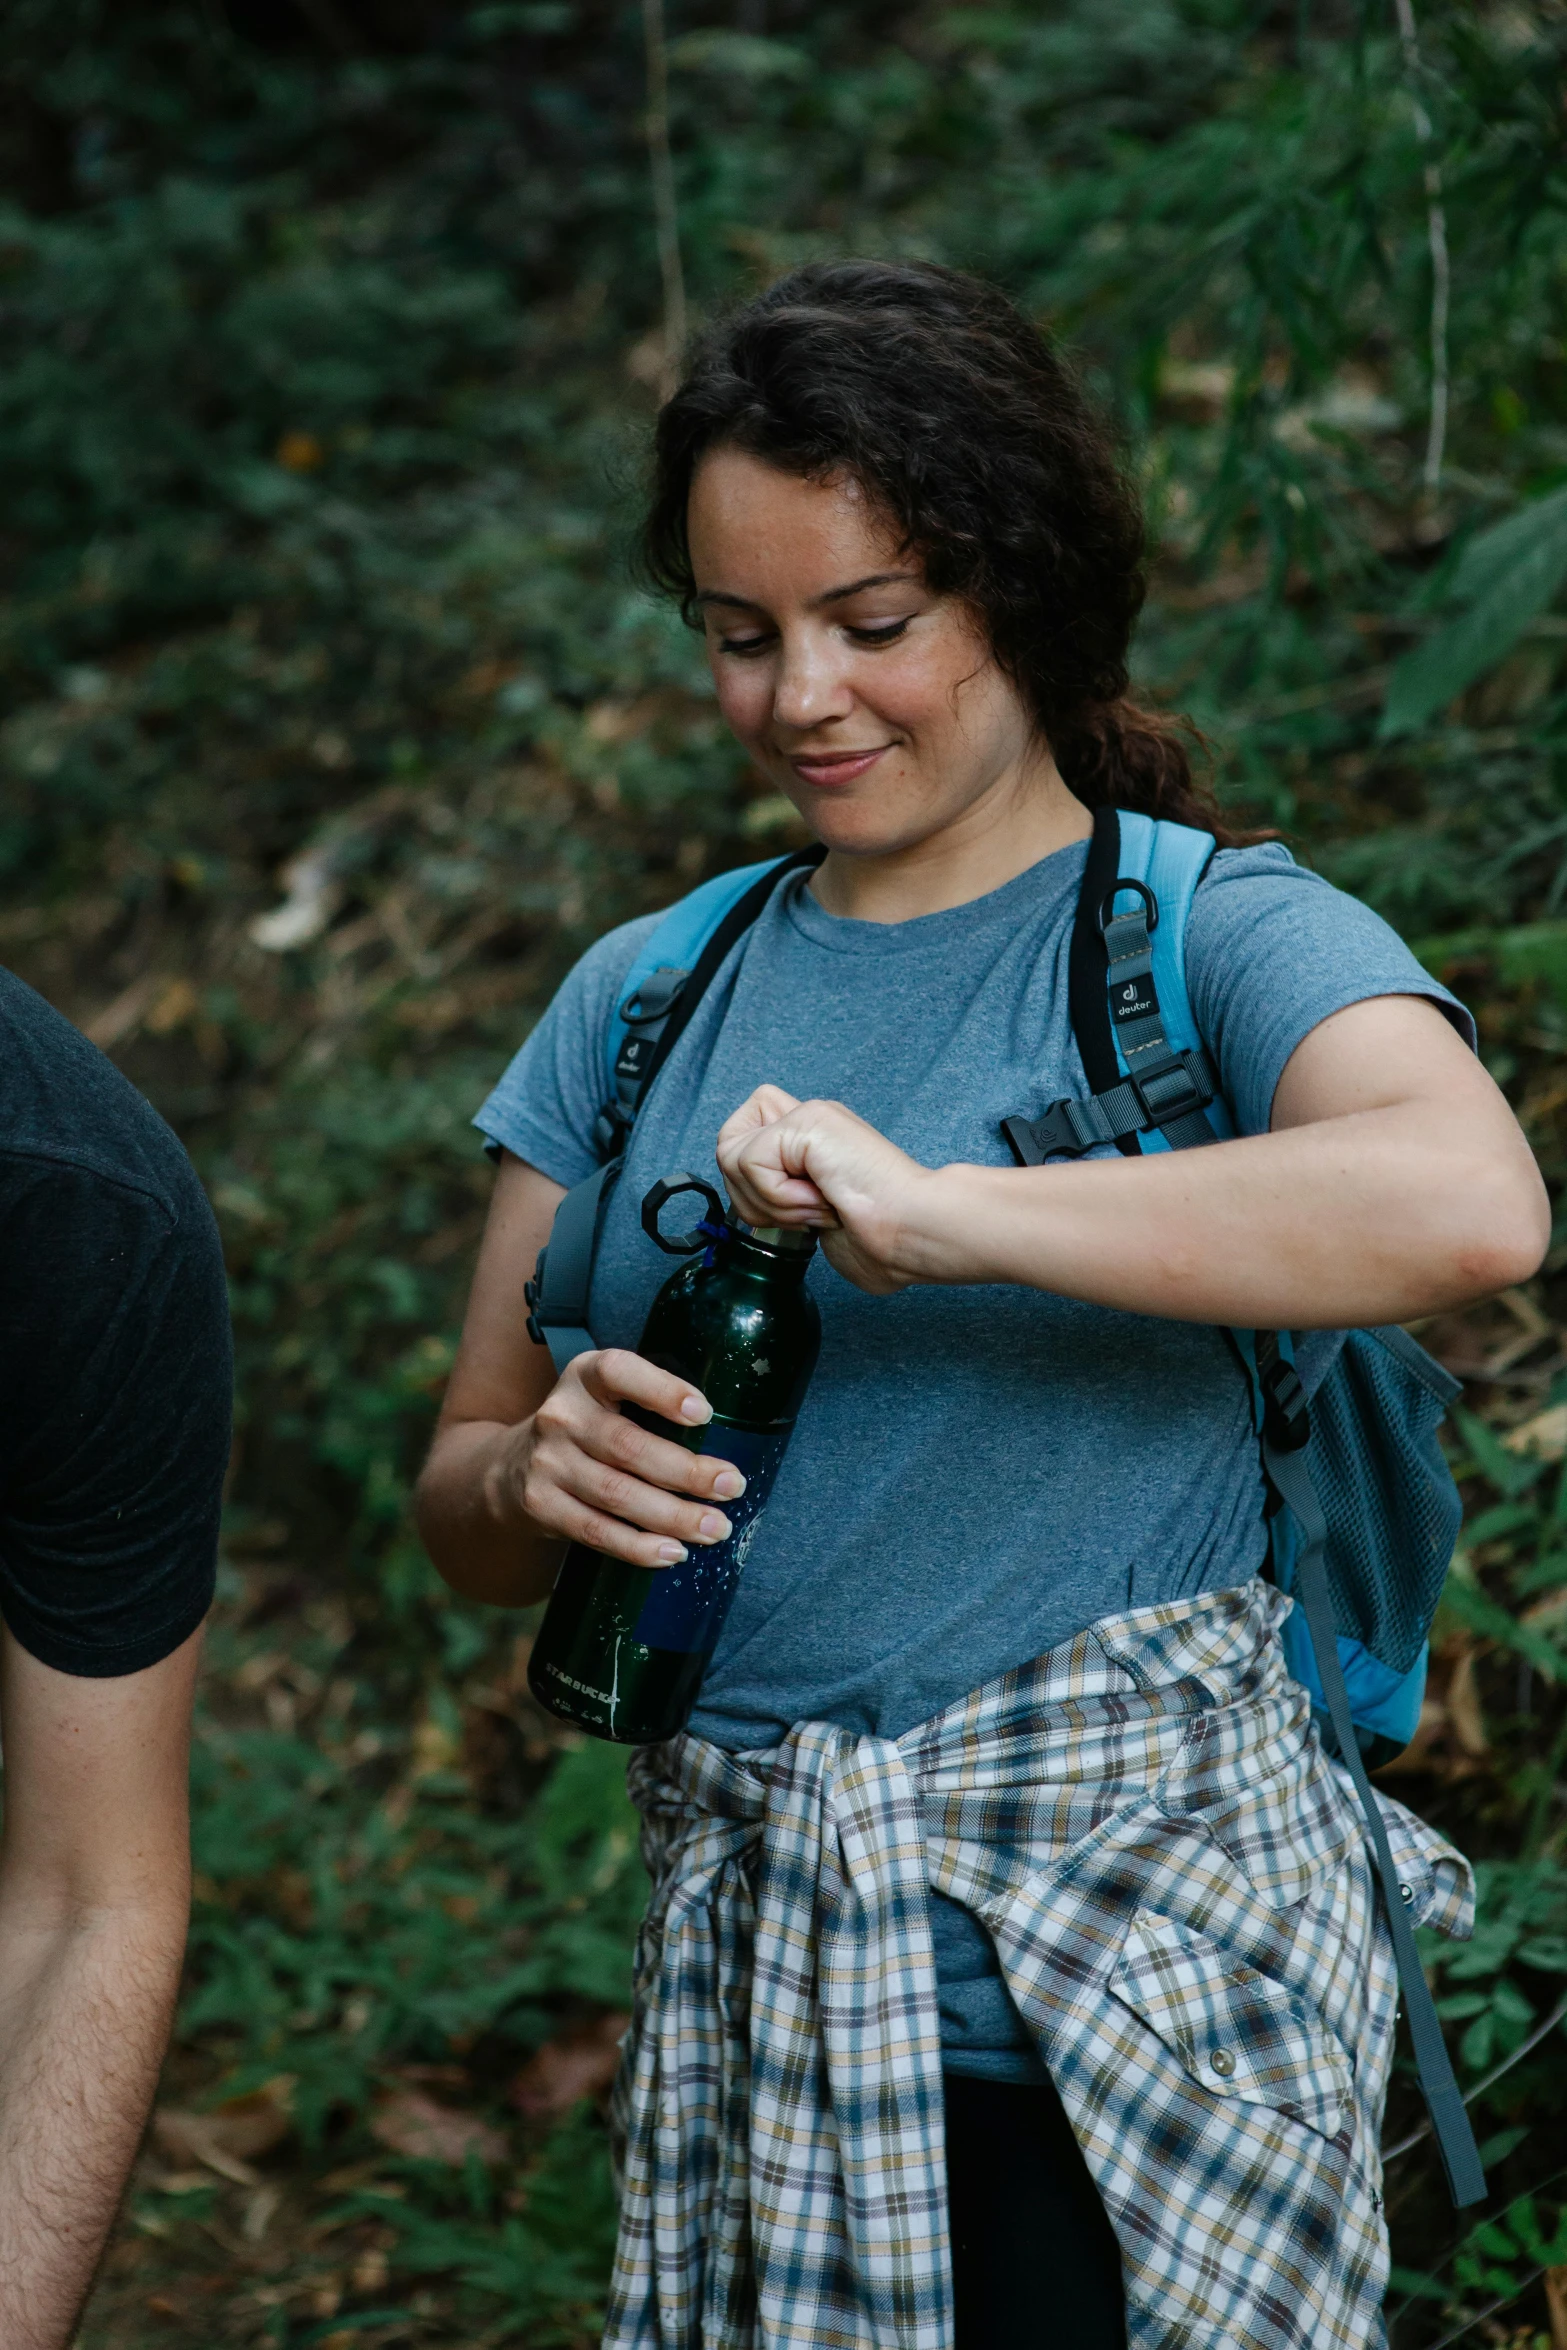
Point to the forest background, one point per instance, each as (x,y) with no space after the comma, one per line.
(335,726)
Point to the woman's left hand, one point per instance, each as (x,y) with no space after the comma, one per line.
(817,1164)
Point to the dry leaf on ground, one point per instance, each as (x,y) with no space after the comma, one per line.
(408,2122)
(1543,1438)
(226,2139)
(579,2064)
(1463,1707)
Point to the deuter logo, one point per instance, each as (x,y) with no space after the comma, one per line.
(1133,1000)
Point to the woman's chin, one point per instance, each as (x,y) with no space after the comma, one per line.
(851,831)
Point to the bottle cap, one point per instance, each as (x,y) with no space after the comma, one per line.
(798,1239)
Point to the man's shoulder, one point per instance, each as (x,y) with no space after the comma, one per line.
(66,1109)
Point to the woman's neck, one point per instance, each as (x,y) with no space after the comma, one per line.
(992,841)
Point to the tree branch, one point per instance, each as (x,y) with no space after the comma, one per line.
(666,214)
(1436,238)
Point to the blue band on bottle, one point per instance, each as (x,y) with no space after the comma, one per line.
(686,1607)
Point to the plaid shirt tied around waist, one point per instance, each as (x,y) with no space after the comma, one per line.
(1176,1882)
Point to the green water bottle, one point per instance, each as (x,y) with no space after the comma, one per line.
(622,1649)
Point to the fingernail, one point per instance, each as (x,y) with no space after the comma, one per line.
(729,1486)
(713,1528)
(672,1553)
(696,1409)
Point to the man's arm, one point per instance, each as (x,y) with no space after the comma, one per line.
(94,1904)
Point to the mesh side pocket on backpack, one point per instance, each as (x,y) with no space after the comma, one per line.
(1391,1506)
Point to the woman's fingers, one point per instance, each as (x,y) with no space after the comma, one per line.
(622,1447)
(575,1519)
(614,1375)
(788,1199)
(765,1174)
(820,1164)
(817,1153)
(764,1197)
(764,1107)
(633,1520)
(595,1476)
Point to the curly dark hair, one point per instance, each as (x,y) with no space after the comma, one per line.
(976,439)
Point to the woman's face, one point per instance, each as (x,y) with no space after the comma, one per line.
(875,704)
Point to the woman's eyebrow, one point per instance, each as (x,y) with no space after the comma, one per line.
(831,596)
(875,579)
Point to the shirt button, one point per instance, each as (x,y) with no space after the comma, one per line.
(1406,1894)
(1222,2062)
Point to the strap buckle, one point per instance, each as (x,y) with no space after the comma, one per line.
(1172,1091)
(1067,1129)
(610,1129)
(533,1296)
(1181,1085)
(1286,1416)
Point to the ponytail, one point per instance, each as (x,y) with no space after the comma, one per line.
(1117,755)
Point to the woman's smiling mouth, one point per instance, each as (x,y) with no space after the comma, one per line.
(824,769)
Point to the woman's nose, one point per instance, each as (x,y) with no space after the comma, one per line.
(812,685)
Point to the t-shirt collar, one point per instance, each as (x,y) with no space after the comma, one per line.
(1038,889)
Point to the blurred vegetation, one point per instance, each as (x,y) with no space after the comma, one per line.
(334,728)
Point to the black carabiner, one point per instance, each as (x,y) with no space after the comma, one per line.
(684,1244)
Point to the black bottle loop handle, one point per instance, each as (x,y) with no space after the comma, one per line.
(683,1244)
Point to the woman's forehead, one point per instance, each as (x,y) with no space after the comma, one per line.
(752,526)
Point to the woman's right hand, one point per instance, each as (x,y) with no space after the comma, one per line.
(578,1468)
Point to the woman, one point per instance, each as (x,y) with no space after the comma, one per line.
(997,1811)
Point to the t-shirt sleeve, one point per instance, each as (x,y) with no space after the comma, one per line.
(546,1105)
(120,1421)
(1271,951)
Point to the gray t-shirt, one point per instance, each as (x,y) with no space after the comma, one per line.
(977,1473)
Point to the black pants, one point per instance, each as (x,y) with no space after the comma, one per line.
(1035,2265)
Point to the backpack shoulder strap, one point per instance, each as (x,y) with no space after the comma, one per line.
(662,989)
(1153,1086)
(670,953)
(1169,860)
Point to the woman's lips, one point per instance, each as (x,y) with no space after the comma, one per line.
(835,767)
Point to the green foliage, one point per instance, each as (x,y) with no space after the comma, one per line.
(1504,580)
(333,725)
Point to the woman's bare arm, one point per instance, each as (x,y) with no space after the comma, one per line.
(523,1462)
(1395,1182)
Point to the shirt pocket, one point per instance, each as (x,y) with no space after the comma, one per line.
(1238,2033)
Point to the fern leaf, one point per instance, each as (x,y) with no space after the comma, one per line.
(1508,575)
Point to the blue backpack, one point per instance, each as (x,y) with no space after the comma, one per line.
(1363,1509)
